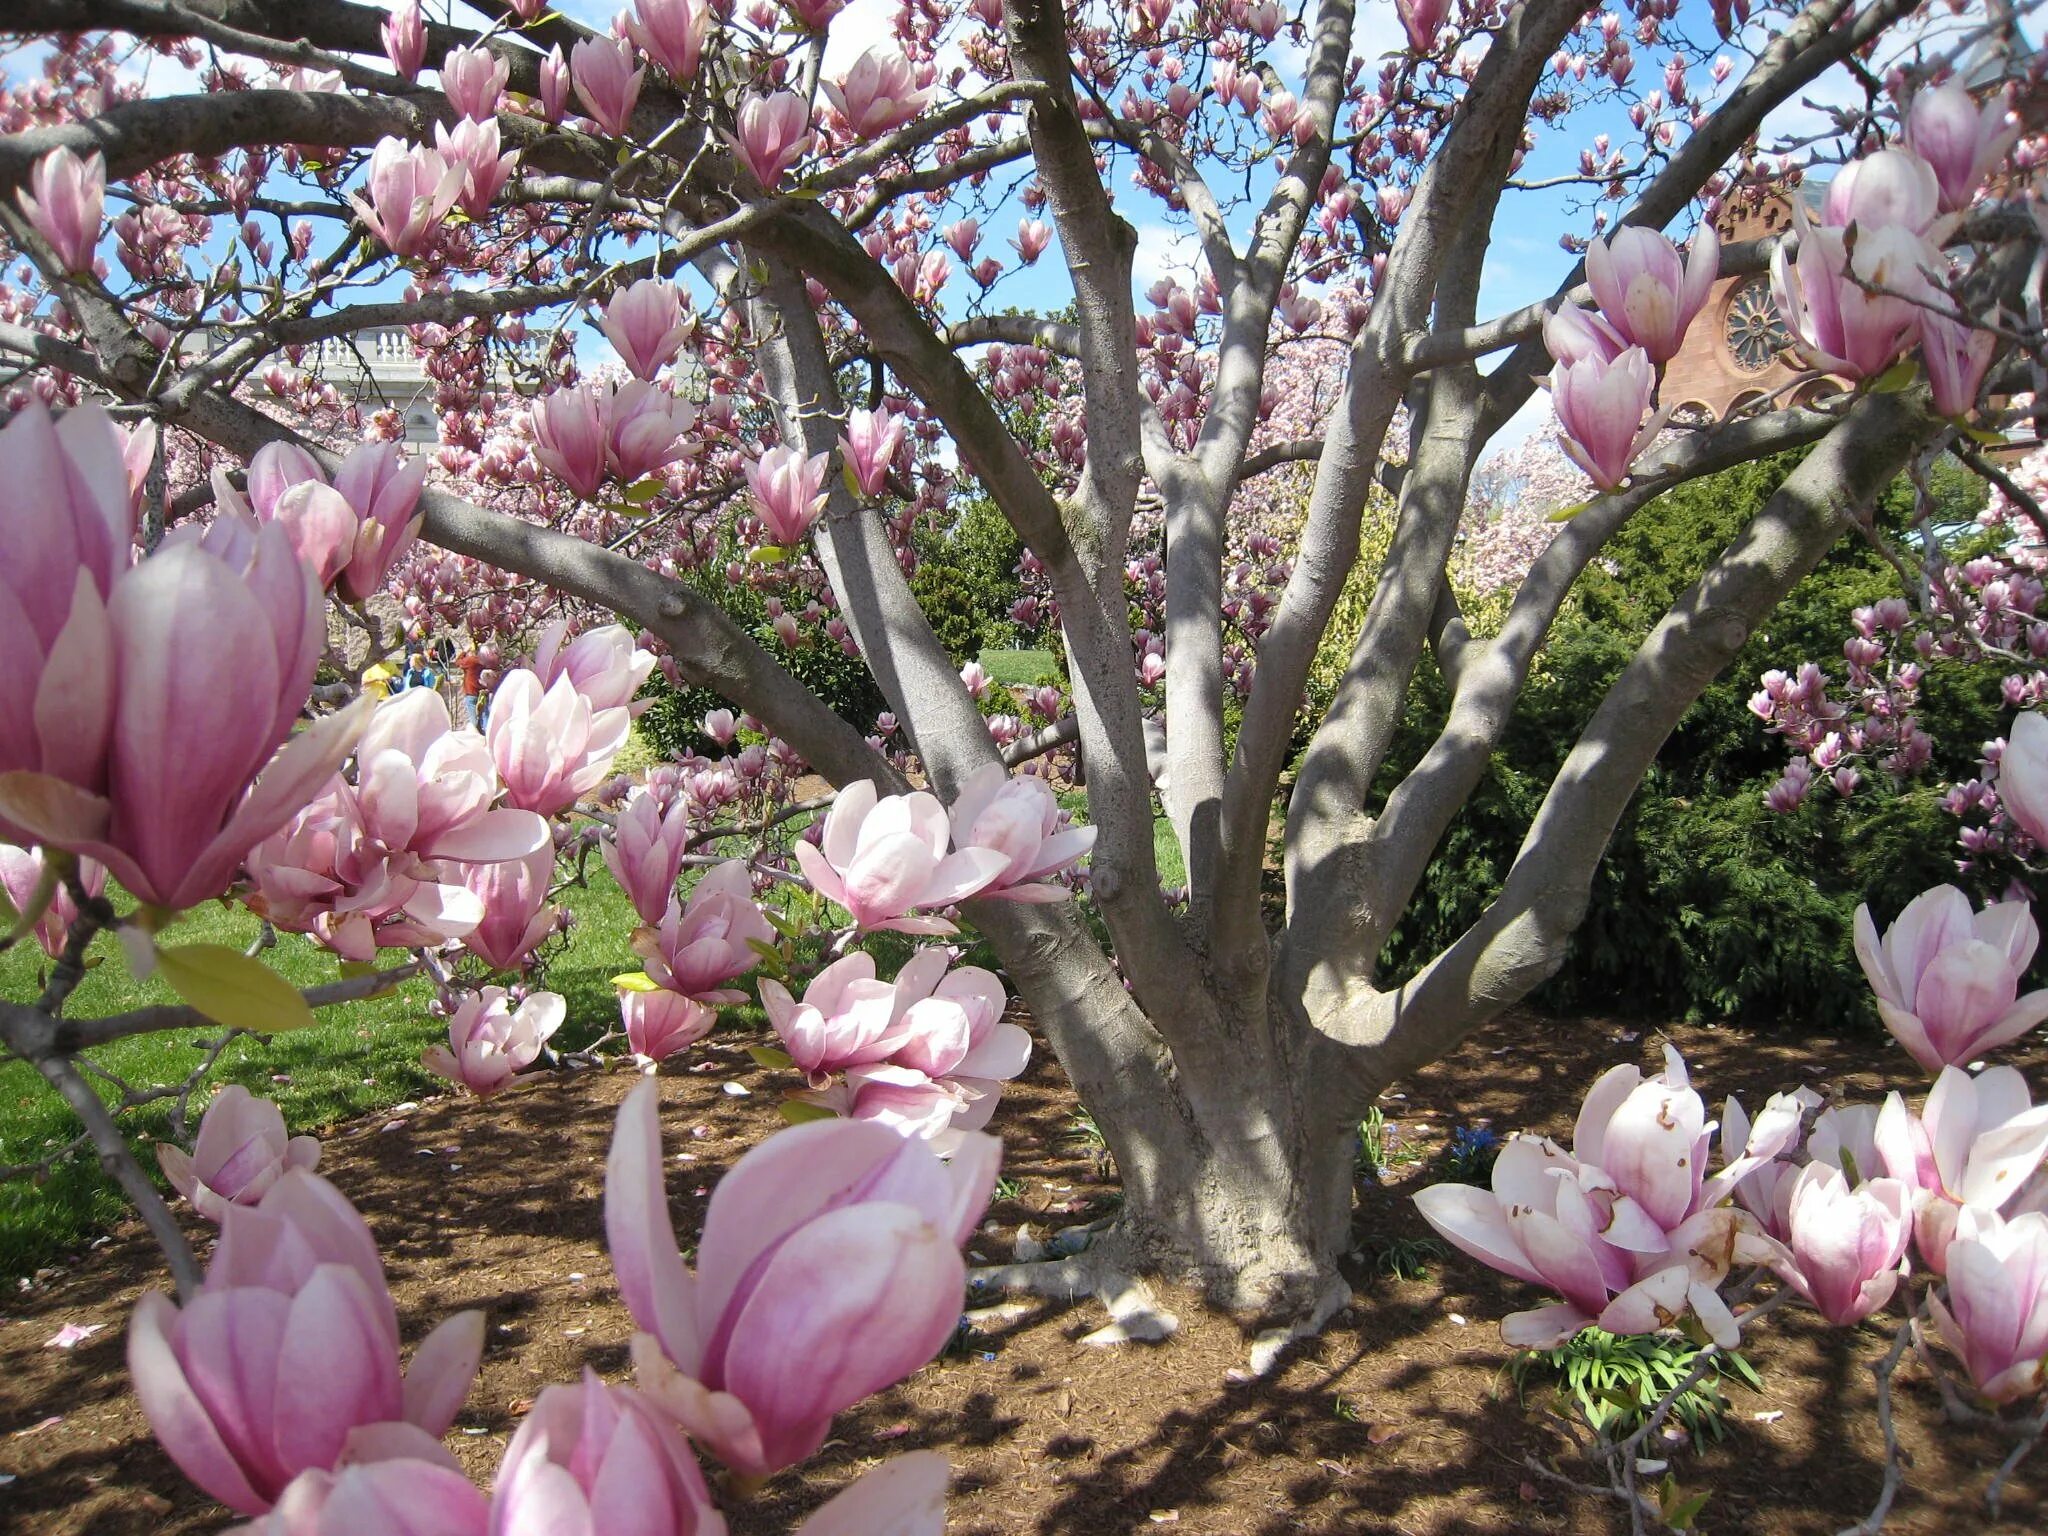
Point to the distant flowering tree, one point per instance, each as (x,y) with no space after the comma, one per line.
(796,259)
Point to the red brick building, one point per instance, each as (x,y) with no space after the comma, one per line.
(1736,353)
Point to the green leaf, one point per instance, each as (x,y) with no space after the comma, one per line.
(768,1056)
(1983,435)
(852,485)
(350,969)
(1897,377)
(1679,1511)
(797,1111)
(767,554)
(641,492)
(232,989)
(636,981)
(1566,514)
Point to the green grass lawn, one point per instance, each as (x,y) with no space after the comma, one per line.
(1165,846)
(359,1058)
(1019,669)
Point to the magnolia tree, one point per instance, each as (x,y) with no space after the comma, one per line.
(787,235)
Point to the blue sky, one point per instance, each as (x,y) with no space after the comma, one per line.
(1525,261)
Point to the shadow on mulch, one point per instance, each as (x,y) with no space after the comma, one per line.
(1399,1418)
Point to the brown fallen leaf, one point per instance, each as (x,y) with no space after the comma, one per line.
(1380,1434)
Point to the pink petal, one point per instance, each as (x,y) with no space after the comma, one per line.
(658,1291)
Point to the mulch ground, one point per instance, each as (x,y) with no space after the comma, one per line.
(1399,1418)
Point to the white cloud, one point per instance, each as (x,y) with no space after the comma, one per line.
(1164,251)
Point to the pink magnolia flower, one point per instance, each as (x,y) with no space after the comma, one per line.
(789,492)
(1995,1317)
(554,84)
(829,1268)
(241,1152)
(1844,1245)
(1602,406)
(1422,20)
(1888,187)
(405,39)
(380,862)
(592,1459)
(881,859)
(1573,334)
(720,726)
(1766,1190)
(774,132)
(1021,819)
(1645,292)
(383,486)
(490,1043)
(2023,775)
(474,82)
(645,852)
(645,321)
(707,941)
(1650,1135)
(289,1350)
(570,436)
(321,525)
(1958,355)
(905,1496)
(644,425)
(955,1022)
(64,201)
(1977,1143)
(1562,1223)
(138,457)
(65,526)
(813,15)
(660,1023)
(938,1111)
(879,93)
(89,718)
(606,82)
(869,447)
(411,188)
(671,32)
(410,1495)
(550,745)
(1826,295)
(473,149)
(606,664)
(354,543)
(847,1018)
(21,877)
(516,914)
(1033,236)
(1947,979)
(1962,142)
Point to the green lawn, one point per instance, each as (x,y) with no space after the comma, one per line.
(1019,669)
(1165,846)
(360,1057)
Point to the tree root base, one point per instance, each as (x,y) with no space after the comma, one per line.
(1135,1315)
(1270,1346)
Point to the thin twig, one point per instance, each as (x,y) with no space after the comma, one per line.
(2030,1436)
(1894,1469)
(119,1161)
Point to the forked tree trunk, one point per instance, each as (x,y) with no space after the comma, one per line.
(1236,1155)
